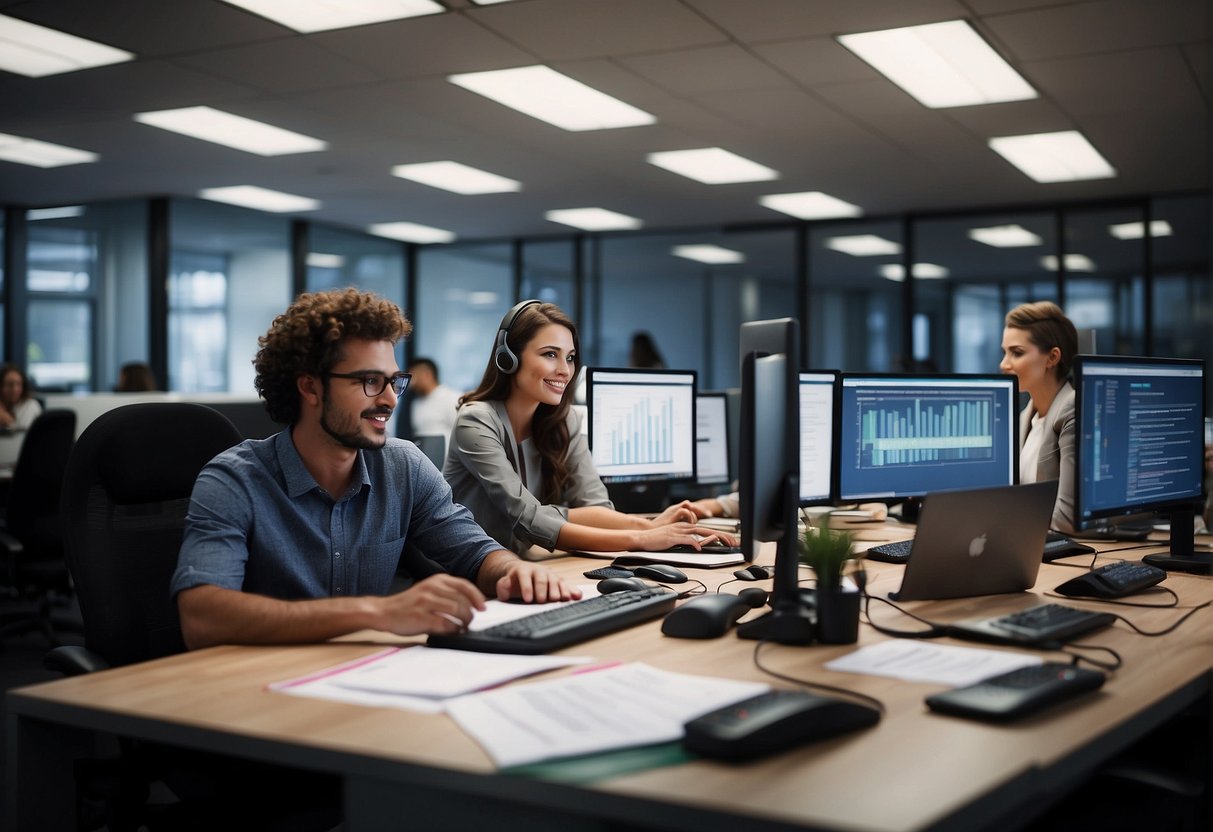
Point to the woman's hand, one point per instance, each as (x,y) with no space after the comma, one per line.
(682,534)
(684,512)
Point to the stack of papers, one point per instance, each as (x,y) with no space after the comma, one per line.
(418,678)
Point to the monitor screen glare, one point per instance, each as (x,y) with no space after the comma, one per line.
(642,424)
(712,439)
(816,437)
(905,436)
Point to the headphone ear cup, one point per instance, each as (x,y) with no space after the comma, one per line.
(503,356)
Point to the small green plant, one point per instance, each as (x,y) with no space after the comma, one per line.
(827,551)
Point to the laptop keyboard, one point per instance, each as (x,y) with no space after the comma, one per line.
(896,552)
(559,627)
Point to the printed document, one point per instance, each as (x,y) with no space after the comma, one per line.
(599,710)
(917,661)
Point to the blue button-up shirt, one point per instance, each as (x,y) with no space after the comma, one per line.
(259,522)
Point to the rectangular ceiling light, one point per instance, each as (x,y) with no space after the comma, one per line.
(709,254)
(216,126)
(1137,230)
(63,212)
(863,245)
(941,64)
(456,177)
(1074,263)
(263,199)
(549,96)
(593,219)
(411,232)
(712,166)
(922,271)
(34,51)
(1065,156)
(322,15)
(1005,236)
(810,205)
(320,260)
(38,154)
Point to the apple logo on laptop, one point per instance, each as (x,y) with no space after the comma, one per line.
(976,546)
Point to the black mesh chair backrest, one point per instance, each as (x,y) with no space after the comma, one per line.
(32,513)
(125,497)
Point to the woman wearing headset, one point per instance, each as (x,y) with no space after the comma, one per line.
(519,461)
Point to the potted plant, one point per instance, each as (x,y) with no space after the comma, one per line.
(827,551)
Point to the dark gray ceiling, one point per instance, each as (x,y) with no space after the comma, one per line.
(762,78)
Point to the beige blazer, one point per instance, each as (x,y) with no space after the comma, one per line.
(1056,458)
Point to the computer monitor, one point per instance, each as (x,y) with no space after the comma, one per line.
(907,435)
(770,471)
(818,427)
(642,424)
(712,439)
(1140,424)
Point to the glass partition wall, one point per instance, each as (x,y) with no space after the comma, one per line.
(873,294)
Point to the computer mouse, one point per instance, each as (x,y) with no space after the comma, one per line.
(753,573)
(660,572)
(753,596)
(707,616)
(774,721)
(609,585)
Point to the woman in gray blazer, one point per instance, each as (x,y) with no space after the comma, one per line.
(519,462)
(1038,346)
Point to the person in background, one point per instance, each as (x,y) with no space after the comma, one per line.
(644,353)
(519,461)
(298,537)
(18,410)
(433,406)
(1038,346)
(135,377)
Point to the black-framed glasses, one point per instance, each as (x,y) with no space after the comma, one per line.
(373,384)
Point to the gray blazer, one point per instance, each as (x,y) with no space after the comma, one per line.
(1056,458)
(483,473)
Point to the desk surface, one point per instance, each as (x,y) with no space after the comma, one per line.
(915,770)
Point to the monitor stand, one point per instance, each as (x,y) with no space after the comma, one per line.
(1136,528)
(1183,556)
(792,619)
(639,497)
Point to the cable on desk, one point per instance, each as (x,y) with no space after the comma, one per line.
(692,592)
(872,700)
(1173,605)
(1191,611)
(1075,658)
(935,630)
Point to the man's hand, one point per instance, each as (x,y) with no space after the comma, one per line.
(533,583)
(439,604)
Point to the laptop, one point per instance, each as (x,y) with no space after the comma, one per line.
(983,541)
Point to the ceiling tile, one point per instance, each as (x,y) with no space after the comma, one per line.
(710,69)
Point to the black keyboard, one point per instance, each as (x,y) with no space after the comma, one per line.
(1057,545)
(1040,626)
(1115,580)
(896,552)
(1018,692)
(559,627)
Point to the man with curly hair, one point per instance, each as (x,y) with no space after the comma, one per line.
(297,537)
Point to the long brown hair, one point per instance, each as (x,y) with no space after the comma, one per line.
(549,426)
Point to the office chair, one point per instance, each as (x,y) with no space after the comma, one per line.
(32,539)
(125,497)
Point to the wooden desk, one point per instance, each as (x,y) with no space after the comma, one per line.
(913,771)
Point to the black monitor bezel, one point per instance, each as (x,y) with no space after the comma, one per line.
(835,425)
(1013,416)
(589,399)
(1081,362)
(724,397)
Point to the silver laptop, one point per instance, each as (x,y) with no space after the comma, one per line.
(979,542)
